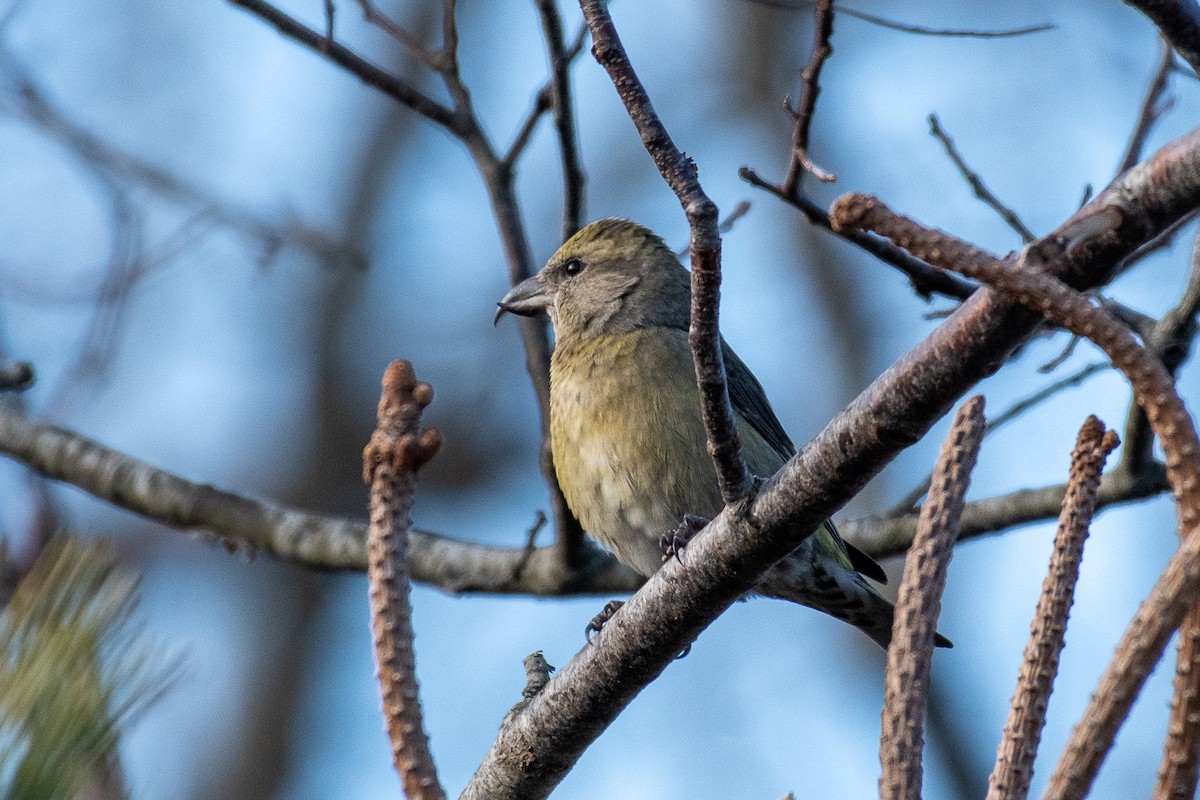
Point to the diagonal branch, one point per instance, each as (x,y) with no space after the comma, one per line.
(1154,390)
(1153,107)
(536,748)
(976,183)
(498,179)
(811,79)
(355,64)
(399,448)
(679,171)
(1027,713)
(918,605)
(925,280)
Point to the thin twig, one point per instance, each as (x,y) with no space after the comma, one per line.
(353,63)
(892,536)
(919,30)
(1153,107)
(564,116)
(1013,771)
(976,183)
(431,59)
(918,606)
(398,448)
(740,210)
(811,83)
(925,280)
(679,171)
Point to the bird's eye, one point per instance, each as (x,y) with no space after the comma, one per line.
(573,267)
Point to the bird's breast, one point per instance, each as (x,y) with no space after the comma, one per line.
(628,441)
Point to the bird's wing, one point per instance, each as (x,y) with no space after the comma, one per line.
(750,402)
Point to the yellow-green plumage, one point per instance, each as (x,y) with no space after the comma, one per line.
(627,437)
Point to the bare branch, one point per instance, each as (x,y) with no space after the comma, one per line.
(811,80)
(353,63)
(398,448)
(892,536)
(36,107)
(1179,23)
(976,183)
(918,605)
(319,542)
(1154,390)
(679,171)
(925,280)
(564,115)
(535,749)
(920,30)
(1006,416)
(1153,107)
(431,59)
(1027,713)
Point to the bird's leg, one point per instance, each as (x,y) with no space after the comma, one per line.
(673,542)
(599,621)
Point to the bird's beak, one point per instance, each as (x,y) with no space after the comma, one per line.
(527,299)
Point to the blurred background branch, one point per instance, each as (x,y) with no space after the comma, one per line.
(185,231)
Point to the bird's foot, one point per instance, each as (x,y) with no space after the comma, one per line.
(599,621)
(673,542)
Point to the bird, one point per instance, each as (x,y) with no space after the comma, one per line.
(626,435)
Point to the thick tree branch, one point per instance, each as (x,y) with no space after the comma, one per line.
(536,747)
(679,171)
(398,448)
(1154,390)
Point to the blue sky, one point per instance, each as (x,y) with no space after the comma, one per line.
(221,363)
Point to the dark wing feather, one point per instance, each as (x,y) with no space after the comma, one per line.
(749,401)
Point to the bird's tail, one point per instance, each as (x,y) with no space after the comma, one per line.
(837,591)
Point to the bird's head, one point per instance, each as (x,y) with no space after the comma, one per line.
(612,276)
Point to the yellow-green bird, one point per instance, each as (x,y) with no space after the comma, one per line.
(628,441)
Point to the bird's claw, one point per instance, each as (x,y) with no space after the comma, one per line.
(599,621)
(673,542)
